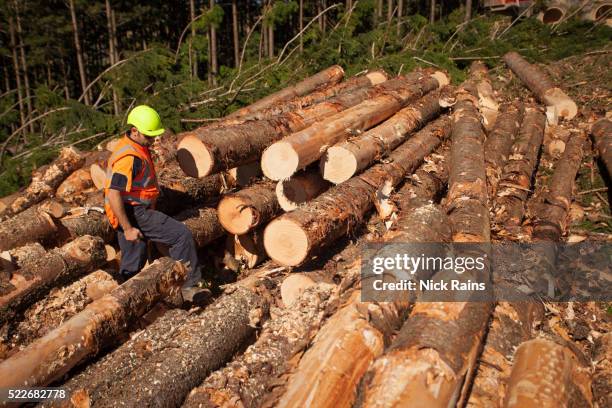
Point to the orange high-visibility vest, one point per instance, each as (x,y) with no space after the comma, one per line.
(144,189)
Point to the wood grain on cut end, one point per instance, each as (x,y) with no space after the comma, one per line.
(299,189)
(235,215)
(376,77)
(194,157)
(279,161)
(98,175)
(338,164)
(286,242)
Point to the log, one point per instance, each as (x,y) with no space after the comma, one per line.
(245,209)
(483,90)
(15,259)
(602,357)
(328,76)
(546,374)
(294,286)
(84,221)
(5,203)
(296,151)
(56,308)
(515,183)
(499,142)
(541,85)
(328,373)
(77,183)
(203,224)
(244,175)
(351,84)
(342,161)
(97,326)
(56,267)
(602,136)
(467,203)
(45,182)
(210,150)
(299,189)
(245,380)
(205,342)
(551,215)
(511,325)
(248,248)
(293,237)
(31,225)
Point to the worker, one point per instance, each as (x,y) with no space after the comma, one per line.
(130,195)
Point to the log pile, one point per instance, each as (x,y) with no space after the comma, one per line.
(378,160)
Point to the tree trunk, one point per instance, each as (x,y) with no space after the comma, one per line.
(270,41)
(55,309)
(248,248)
(22,114)
(235,34)
(329,76)
(400,13)
(467,191)
(17,258)
(379,11)
(203,224)
(432,11)
(46,180)
(547,374)
(24,65)
(54,268)
(244,210)
(201,345)
(98,325)
(213,49)
(468,10)
(79,52)
(210,150)
(301,25)
(480,86)
(111,49)
(329,372)
(295,152)
(602,136)
(342,161)
(512,324)
(354,83)
(81,222)
(31,225)
(515,182)
(193,64)
(76,184)
(541,85)
(551,215)
(245,175)
(300,189)
(499,143)
(293,237)
(389,12)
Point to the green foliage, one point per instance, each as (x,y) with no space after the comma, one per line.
(280,13)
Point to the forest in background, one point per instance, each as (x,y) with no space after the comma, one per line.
(72,69)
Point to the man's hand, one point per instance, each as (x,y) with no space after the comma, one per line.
(133,234)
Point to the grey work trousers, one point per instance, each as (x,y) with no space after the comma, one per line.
(157,227)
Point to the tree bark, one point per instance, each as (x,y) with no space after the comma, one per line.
(551,215)
(53,310)
(354,83)
(98,325)
(56,267)
(400,13)
(203,224)
(499,143)
(281,338)
(467,203)
(248,248)
(480,86)
(342,161)
(201,345)
(468,10)
(244,210)
(24,65)
(78,183)
(81,222)
(329,76)
(46,180)
(300,189)
(235,34)
(547,374)
(213,49)
(293,237)
(301,25)
(209,150)
(111,49)
(13,40)
(193,65)
(432,11)
(602,136)
(282,159)
(79,53)
(31,225)
(541,85)
(511,324)
(515,182)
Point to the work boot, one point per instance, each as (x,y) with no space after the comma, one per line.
(196,296)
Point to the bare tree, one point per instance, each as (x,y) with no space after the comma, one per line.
(17,72)
(468,10)
(213,49)
(193,66)
(235,33)
(24,66)
(301,22)
(432,11)
(111,49)
(400,12)
(79,52)
(389,11)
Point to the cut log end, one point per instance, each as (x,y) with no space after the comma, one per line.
(279,161)
(338,165)
(194,157)
(442,78)
(376,77)
(564,105)
(98,175)
(235,216)
(286,242)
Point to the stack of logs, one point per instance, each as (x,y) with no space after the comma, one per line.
(286,178)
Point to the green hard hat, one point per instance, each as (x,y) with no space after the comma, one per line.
(146,120)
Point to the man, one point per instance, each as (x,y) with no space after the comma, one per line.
(130,195)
